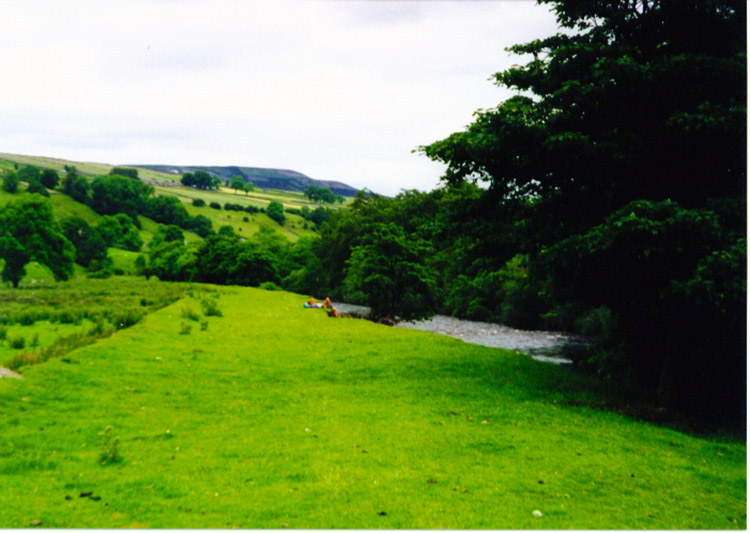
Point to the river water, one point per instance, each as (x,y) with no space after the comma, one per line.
(547,346)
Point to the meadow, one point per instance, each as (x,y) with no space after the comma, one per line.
(235,407)
(244,224)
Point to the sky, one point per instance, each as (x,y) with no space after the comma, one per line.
(340,90)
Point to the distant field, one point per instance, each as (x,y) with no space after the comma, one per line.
(244,224)
(272,416)
(84,168)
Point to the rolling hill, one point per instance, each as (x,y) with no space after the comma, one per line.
(265,178)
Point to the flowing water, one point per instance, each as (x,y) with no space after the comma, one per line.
(548,346)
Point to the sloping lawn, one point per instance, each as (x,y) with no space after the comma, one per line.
(273,416)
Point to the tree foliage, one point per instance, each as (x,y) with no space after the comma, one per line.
(88,242)
(619,169)
(124,171)
(275,211)
(318,193)
(49,178)
(119,231)
(611,121)
(237,183)
(10,182)
(387,270)
(29,232)
(114,194)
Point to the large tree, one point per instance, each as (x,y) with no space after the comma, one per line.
(621,165)
(387,270)
(114,194)
(29,232)
(640,99)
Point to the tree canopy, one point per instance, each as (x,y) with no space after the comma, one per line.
(29,232)
(619,169)
(643,101)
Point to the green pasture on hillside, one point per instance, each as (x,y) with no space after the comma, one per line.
(85,168)
(244,224)
(275,416)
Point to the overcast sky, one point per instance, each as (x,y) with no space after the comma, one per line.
(339,90)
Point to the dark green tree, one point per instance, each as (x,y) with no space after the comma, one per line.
(49,178)
(275,211)
(124,171)
(169,233)
(10,182)
(29,173)
(387,271)
(639,105)
(203,179)
(201,225)
(612,120)
(88,242)
(188,179)
(317,193)
(166,210)
(674,280)
(29,232)
(237,183)
(75,186)
(171,261)
(35,186)
(119,231)
(118,194)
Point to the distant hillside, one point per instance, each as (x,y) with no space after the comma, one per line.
(266,178)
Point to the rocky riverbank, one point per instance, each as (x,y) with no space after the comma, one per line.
(545,346)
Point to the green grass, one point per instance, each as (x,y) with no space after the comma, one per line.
(293,228)
(275,416)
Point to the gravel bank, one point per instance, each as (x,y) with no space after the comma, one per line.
(545,346)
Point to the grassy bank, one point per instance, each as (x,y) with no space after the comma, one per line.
(274,416)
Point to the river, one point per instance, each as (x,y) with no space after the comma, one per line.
(547,346)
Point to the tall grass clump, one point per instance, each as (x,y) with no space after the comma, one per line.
(110,453)
(17,342)
(190,314)
(210,307)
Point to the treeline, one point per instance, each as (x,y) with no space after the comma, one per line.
(616,197)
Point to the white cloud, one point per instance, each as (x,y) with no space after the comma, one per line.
(336,90)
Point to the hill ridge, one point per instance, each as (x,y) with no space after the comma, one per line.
(266,178)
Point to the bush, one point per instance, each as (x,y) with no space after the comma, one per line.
(275,211)
(211,307)
(27,319)
(199,202)
(270,286)
(190,314)
(10,182)
(109,453)
(126,317)
(215,205)
(17,342)
(35,186)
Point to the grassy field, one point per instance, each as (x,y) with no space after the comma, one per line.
(274,416)
(84,168)
(244,224)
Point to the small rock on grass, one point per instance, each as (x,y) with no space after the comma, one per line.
(537,513)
